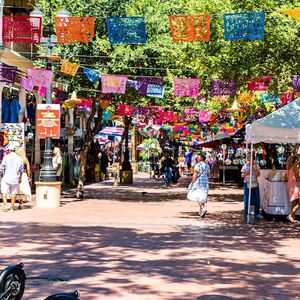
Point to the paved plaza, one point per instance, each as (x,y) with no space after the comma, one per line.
(146,241)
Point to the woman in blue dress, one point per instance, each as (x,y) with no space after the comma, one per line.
(198,188)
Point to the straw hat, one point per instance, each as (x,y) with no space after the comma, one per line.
(70,103)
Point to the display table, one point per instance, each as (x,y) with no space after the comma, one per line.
(273,196)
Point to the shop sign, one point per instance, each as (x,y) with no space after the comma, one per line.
(48,121)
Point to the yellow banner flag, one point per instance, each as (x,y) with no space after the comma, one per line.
(294,13)
(69,68)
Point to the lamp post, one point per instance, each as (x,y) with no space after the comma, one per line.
(48,173)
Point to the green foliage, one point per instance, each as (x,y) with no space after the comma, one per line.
(276,55)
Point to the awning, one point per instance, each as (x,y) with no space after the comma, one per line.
(112,131)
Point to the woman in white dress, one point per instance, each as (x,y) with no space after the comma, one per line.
(198,188)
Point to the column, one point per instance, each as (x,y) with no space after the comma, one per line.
(71,144)
(37,145)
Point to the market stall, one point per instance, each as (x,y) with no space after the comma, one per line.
(281,126)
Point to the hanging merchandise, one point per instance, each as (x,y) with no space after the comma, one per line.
(92,75)
(223,87)
(74,29)
(113,84)
(126,30)
(260,84)
(145,81)
(294,13)
(268,98)
(24,83)
(7,73)
(10,110)
(69,68)
(126,110)
(296,83)
(190,28)
(244,26)
(22,29)
(39,77)
(155,91)
(186,87)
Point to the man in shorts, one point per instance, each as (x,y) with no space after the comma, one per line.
(11,168)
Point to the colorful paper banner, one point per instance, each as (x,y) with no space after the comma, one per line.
(39,77)
(260,84)
(244,26)
(223,87)
(7,73)
(92,75)
(245,98)
(126,30)
(190,28)
(22,29)
(74,29)
(144,81)
(69,68)
(186,87)
(268,98)
(42,91)
(204,116)
(296,83)
(24,83)
(113,84)
(294,13)
(126,110)
(155,91)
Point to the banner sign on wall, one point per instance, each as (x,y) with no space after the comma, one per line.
(48,121)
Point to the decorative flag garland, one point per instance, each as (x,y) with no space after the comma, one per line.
(69,68)
(190,28)
(245,98)
(7,73)
(155,91)
(144,81)
(225,87)
(91,75)
(186,87)
(22,29)
(24,83)
(260,84)
(294,13)
(74,29)
(113,84)
(126,30)
(268,98)
(126,110)
(244,26)
(296,83)
(39,77)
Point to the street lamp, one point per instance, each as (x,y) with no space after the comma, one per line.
(48,173)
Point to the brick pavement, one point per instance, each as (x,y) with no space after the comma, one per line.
(147,242)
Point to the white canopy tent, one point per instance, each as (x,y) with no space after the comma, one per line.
(281,126)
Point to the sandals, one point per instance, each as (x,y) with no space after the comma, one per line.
(291,219)
(202,212)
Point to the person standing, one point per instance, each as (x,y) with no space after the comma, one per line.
(24,187)
(255,199)
(188,157)
(181,163)
(11,168)
(57,163)
(199,186)
(167,168)
(294,188)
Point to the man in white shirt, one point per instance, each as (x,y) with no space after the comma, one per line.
(11,169)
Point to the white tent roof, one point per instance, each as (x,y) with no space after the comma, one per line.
(281,126)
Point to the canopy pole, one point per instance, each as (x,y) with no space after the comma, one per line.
(250,180)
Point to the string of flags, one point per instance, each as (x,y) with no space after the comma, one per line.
(132,30)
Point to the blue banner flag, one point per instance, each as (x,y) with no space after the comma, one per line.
(244,26)
(126,30)
(91,75)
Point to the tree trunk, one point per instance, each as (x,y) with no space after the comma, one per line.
(89,135)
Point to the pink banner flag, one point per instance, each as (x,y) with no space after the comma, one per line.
(24,83)
(113,84)
(40,77)
(42,91)
(205,116)
(259,84)
(186,87)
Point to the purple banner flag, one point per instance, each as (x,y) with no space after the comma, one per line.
(7,73)
(296,83)
(144,81)
(24,83)
(223,87)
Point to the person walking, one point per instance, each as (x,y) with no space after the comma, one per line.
(181,164)
(11,169)
(293,177)
(57,163)
(199,186)
(24,187)
(167,168)
(255,199)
